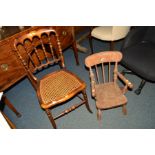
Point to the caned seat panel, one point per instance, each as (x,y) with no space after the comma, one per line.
(56,87)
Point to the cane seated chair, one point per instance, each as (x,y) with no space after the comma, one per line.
(38,50)
(105,88)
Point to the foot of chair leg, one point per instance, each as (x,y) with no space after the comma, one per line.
(138,90)
(99,117)
(18,115)
(99,114)
(51,118)
(86,99)
(124,110)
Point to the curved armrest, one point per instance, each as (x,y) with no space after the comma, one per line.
(126,81)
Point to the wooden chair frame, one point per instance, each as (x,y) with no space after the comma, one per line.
(56,56)
(102,58)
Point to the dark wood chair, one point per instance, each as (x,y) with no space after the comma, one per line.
(42,48)
(105,89)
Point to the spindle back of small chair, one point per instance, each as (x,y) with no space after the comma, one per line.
(98,61)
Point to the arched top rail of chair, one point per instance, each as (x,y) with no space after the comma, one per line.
(103,57)
(35,33)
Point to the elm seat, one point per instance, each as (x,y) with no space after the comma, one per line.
(105,89)
(109,95)
(139,54)
(109,33)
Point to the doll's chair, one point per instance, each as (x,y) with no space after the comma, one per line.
(105,88)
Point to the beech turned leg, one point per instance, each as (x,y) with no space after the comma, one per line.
(86,101)
(8,103)
(124,110)
(75,52)
(51,118)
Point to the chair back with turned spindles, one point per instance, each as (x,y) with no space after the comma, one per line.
(37,50)
(101,60)
(98,63)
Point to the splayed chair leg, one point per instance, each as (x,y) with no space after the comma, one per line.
(86,101)
(51,118)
